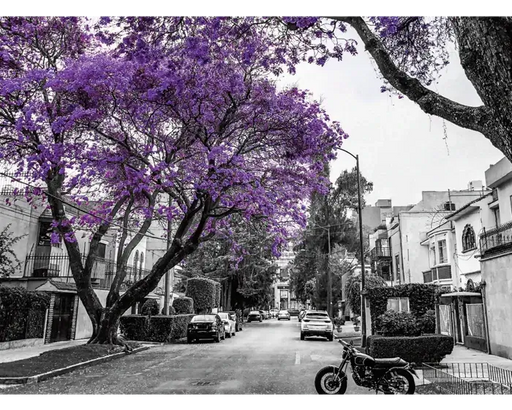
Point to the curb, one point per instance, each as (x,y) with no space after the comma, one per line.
(57,372)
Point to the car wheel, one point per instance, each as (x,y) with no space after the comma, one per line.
(278,318)
(330,337)
(223,337)
(217,339)
(189,340)
(301,335)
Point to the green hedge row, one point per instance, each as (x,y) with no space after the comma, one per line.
(203,292)
(183,306)
(419,349)
(156,328)
(22,313)
(151,307)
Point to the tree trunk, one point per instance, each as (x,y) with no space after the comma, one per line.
(105,331)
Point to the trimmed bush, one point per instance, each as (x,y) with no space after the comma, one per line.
(150,307)
(22,313)
(218,293)
(172,311)
(202,291)
(419,349)
(427,323)
(163,329)
(183,306)
(394,323)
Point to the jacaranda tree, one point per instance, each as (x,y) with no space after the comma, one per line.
(133,123)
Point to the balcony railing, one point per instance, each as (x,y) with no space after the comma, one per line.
(57,266)
(380,253)
(437,274)
(496,240)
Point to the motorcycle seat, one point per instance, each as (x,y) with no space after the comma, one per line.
(392,361)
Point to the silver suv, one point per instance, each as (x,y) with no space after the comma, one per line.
(316,323)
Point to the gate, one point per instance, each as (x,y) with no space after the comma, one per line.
(62,317)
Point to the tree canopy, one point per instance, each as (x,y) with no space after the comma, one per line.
(120,116)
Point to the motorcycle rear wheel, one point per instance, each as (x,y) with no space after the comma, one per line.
(400,381)
(326,382)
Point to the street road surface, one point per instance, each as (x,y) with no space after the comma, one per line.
(265,358)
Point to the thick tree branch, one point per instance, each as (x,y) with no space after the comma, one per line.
(473,118)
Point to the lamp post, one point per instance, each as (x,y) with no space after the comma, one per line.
(361,246)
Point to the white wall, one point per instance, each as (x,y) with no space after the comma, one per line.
(83,323)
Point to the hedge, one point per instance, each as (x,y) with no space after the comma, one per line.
(183,306)
(422,297)
(419,349)
(150,307)
(218,293)
(161,329)
(22,313)
(172,311)
(203,292)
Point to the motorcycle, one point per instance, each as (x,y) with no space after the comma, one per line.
(391,376)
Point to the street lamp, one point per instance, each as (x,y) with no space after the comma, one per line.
(361,245)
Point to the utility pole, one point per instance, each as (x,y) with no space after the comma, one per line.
(167,274)
(329,277)
(361,245)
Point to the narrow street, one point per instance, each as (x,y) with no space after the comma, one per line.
(265,358)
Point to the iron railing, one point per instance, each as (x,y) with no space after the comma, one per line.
(438,273)
(380,253)
(57,266)
(468,378)
(496,240)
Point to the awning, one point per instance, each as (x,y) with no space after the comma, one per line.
(455,294)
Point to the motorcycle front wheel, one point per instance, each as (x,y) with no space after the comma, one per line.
(326,381)
(399,381)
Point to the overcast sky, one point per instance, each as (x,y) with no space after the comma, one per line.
(402,150)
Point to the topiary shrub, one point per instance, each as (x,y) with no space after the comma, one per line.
(427,322)
(183,306)
(162,329)
(202,291)
(394,323)
(418,349)
(150,307)
(172,311)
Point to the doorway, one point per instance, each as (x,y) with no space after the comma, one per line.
(62,319)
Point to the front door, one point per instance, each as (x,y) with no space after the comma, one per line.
(62,317)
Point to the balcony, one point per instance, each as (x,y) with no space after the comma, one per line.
(378,253)
(57,266)
(437,274)
(497,240)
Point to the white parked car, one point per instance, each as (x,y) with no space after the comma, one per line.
(316,323)
(229,324)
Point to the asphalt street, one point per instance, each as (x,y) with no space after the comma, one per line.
(265,358)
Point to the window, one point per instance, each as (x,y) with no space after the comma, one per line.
(468,238)
(397,264)
(443,256)
(102,250)
(433,253)
(45,231)
(398,304)
(497,217)
(449,206)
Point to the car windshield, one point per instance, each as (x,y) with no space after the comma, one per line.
(317,316)
(224,315)
(254,312)
(283,311)
(203,318)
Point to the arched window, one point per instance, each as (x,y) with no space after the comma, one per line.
(468,238)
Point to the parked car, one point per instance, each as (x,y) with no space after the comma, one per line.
(237,319)
(316,323)
(206,327)
(283,314)
(293,312)
(263,314)
(229,324)
(254,315)
(274,312)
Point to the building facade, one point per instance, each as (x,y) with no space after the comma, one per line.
(495,243)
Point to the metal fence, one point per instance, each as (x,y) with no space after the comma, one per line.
(496,240)
(57,266)
(468,378)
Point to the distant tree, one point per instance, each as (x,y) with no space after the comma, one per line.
(9,262)
(353,289)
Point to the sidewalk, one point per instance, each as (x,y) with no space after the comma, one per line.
(20,353)
(460,354)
